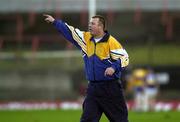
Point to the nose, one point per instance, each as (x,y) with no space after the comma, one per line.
(89,26)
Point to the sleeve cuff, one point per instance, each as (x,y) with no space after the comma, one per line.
(56,22)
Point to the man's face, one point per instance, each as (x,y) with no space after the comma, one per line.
(94,26)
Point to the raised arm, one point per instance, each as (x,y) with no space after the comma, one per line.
(72,34)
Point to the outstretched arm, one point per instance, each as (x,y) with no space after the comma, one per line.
(72,34)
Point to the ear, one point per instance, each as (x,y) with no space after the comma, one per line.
(101,26)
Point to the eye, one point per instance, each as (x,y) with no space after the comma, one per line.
(93,23)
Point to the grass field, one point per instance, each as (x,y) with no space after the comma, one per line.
(73,116)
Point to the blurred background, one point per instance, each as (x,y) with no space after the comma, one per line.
(38,64)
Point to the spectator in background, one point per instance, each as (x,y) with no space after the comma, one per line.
(151,90)
(143,84)
(136,84)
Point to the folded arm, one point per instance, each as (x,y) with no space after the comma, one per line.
(118,55)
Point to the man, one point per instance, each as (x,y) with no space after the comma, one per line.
(104,59)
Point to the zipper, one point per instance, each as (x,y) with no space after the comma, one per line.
(94,61)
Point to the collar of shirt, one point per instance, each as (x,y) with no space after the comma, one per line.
(103,39)
(97,39)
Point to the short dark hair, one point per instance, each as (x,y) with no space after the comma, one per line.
(102,20)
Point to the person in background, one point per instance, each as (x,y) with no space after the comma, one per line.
(136,85)
(151,90)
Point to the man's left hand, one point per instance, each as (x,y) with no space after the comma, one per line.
(109,71)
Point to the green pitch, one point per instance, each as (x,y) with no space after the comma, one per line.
(73,116)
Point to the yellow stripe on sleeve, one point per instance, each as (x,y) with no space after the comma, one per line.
(78,38)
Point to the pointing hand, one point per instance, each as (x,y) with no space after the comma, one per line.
(49,18)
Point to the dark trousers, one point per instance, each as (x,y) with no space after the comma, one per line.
(105,97)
